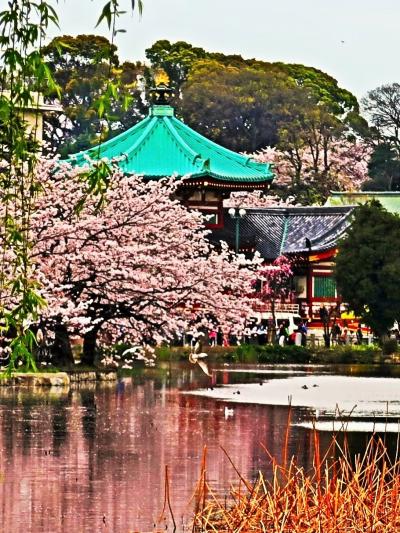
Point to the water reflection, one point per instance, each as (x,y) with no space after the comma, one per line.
(93,458)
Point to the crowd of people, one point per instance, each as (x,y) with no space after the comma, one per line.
(259,333)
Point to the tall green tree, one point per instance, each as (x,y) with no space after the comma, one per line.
(176,59)
(84,66)
(368,267)
(382,106)
(239,108)
(383,169)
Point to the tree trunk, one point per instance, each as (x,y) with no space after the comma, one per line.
(89,347)
(61,350)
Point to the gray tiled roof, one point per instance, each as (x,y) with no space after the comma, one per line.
(274,231)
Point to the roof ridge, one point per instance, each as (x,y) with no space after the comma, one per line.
(284,233)
(245,160)
(113,140)
(140,140)
(195,155)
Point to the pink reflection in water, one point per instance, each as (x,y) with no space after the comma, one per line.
(91,460)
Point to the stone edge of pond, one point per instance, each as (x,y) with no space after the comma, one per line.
(54,379)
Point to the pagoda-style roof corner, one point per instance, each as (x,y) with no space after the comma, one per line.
(161,145)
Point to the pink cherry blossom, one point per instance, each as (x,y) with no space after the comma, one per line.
(139,268)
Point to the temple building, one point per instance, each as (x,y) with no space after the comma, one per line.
(162,145)
(33,113)
(307,235)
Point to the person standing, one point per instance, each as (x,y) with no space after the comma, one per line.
(303,330)
(359,334)
(212,337)
(220,336)
(261,332)
(282,334)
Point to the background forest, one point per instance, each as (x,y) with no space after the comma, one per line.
(317,134)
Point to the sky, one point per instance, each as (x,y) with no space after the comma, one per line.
(355,41)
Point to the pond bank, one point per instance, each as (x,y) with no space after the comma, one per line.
(274,354)
(55,379)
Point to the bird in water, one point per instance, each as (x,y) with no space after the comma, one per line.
(197,356)
(228,412)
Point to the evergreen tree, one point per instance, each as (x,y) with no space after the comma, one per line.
(368,267)
(383,169)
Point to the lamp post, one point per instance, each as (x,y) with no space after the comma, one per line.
(237,214)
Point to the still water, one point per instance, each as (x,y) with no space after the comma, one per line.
(93,458)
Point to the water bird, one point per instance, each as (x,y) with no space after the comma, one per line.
(304,387)
(315,385)
(228,412)
(198,358)
(136,351)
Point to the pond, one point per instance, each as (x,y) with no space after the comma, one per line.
(93,458)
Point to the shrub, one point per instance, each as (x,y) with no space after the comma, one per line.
(284,354)
(246,353)
(389,347)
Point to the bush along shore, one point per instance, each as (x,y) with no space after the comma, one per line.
(275,354)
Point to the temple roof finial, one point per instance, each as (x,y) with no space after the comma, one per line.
(161,92)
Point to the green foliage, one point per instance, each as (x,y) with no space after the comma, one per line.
(244,103)
(100,98)
(22,27)
(382,106)
(271,353)
(237,107)
(246,353)
(390,346)
(176,59)
(324,87)
(24,74)
(384,169)
(368,267)
(347,354)
(164,353)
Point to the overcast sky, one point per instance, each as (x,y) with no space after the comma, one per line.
(356,41)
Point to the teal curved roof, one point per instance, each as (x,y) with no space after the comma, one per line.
(161,145)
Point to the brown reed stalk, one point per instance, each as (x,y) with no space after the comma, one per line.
(342,495)
(167,501)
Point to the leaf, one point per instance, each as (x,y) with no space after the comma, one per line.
(139,5)
(106,14)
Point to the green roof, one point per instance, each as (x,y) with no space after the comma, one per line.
(161,145)
(389,200)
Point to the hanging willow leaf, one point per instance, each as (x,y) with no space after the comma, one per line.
(139,5)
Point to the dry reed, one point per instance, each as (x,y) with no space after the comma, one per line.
(339,495)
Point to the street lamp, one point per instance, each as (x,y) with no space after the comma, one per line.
(237,214)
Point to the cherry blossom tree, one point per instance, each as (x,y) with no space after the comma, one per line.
(310,175)
(275,283)
(257,199)
(137,268)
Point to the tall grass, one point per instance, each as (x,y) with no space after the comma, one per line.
(341,494)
